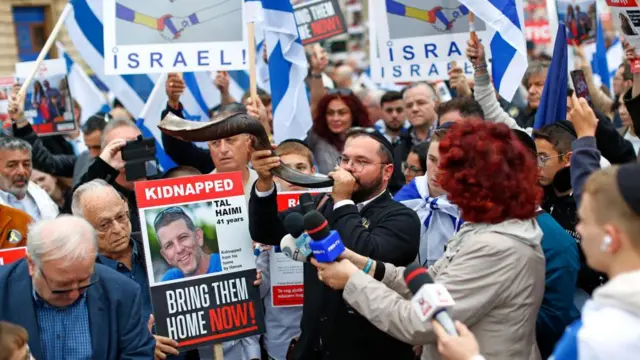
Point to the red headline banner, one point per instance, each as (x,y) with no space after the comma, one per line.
(288,200)
(7,256)
(188,189)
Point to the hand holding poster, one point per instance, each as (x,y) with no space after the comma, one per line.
(200,260)
(164,36)
(626,17)
(319,20)
(48,104)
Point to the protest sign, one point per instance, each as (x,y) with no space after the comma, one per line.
(423,32)
(48,105)
(580,18)
(6,84)
(287,283)
(7,256)
(162,36)
(416,70)
(626,18)
(319,20)
(538,32)
(199,258)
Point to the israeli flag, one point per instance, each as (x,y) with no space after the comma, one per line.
(287,68)
(508,44)
(85,29)
(83,90)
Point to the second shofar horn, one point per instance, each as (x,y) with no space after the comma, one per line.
(227,125)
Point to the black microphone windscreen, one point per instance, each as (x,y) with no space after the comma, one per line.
(415,276)
(316,225)
(294,224)
(306,202)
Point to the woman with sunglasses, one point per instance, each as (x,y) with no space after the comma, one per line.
(336,113)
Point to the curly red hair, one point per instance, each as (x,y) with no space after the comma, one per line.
(488,173)
(359,117)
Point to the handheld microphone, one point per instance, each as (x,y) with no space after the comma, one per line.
(326,244)
(430,300)
(295,245)
(306,202)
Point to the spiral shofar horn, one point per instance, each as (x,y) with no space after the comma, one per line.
(227,125)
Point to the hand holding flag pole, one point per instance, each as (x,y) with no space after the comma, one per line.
(472,28)
(45,49)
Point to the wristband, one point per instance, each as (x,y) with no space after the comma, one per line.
(480,67)
(378,273)
(368,266)
(316,76)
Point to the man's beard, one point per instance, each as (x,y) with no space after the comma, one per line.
(366,191)
(17,191)
(395,128)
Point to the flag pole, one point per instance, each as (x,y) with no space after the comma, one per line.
(253,86)
(45,49)
(472,28)
(218,354)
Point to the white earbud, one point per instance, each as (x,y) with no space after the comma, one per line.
(606,242)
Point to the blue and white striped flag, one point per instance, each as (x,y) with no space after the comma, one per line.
(134,91)
(287,68)
(508,44)
(83,90)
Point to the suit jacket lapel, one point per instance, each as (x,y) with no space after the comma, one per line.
(98,321)
(22,302)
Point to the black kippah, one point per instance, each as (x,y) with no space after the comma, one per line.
(628,179)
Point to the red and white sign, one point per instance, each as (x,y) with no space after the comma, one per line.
(538,32)
(430,299)
(7,256)
(287,280)
(6,84)
(626,18)
(289,199)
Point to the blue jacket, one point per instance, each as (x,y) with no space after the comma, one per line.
(557,310)
(118,331)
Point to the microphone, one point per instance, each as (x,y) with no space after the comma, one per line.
(429,300)
(306,202)
(295,245)
(326,244)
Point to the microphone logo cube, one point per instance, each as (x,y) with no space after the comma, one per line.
(431,299)
(327,249)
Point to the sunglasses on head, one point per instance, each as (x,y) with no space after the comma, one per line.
(169,210)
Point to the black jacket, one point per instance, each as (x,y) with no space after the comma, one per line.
(401,150)
(42,158)
(391,234)
(185,153)
(57,144)
(563,210)
(633,107)
(101,170)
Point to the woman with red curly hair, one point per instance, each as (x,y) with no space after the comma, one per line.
(493,266)
(336,113)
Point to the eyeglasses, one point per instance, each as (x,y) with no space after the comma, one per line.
(92,280)
(343,92)
(542,160)
(412,169)
(361,130)
(106,224)
(357,164)
(169,210)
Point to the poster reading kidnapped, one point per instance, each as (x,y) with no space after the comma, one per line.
(163,36)
(415,70)
(626,17)
(199,259)
(423,31)
(580,18)
(48,105)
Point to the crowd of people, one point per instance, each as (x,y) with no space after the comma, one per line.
(534,232)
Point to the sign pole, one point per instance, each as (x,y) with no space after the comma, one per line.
(253,86)
(46,48)
(218,354)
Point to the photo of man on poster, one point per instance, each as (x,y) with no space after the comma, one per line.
(181,245)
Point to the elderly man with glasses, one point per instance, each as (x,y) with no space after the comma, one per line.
(72,307)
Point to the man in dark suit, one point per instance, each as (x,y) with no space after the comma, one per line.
(369,222)
(72,307)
